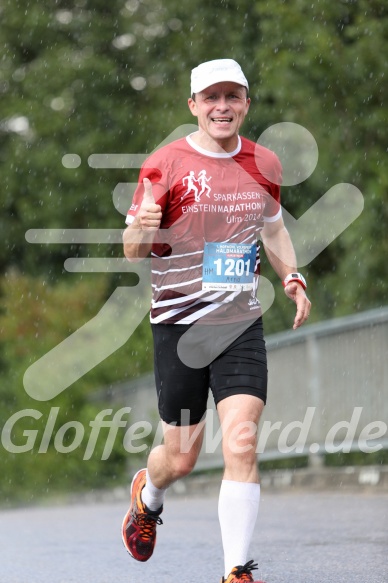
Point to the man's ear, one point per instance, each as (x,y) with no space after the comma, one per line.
(192,106)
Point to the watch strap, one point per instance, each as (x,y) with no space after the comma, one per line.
(295,276)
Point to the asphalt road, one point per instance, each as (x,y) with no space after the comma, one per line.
(300,538)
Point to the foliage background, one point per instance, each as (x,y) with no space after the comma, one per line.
(88,76)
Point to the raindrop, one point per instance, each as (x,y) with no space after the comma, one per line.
(57,104)
(64,16)
(132,5)
(175,24)
(154,31)
(19,74)
(138,83)
(124,41)
(17,124)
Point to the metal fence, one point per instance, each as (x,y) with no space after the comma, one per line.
(335,372)
(328,391)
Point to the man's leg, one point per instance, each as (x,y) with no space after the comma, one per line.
(166,464)
(182,398)
(240,489)
(177,456)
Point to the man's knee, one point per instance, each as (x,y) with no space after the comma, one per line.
(241,439)
(182,448)
(182,464)
(239,445)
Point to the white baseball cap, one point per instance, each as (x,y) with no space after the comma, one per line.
(211,72)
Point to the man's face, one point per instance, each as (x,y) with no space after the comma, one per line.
(221,110)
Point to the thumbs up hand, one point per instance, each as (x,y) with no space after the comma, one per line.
(150,213)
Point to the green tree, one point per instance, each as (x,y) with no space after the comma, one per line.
(323,66)
(36,317)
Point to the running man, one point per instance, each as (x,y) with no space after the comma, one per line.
(207,330)
(190,179)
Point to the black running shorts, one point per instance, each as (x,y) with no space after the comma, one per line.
(191,359)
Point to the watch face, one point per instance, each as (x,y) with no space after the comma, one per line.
(295,275)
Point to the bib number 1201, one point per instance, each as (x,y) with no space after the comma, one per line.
(232,267)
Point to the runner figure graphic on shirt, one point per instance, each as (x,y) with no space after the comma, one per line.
(202,181)
(190,178)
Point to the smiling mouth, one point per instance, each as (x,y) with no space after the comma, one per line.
(221,119)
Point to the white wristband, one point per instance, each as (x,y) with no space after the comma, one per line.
(298,277)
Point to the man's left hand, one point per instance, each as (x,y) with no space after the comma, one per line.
(297,294)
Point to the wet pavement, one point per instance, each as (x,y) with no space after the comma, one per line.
(322,537)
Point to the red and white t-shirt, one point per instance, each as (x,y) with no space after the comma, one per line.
(206,197)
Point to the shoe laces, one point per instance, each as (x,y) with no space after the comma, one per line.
(147,524)
(243,572)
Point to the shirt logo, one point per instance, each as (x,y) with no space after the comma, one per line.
(196,184)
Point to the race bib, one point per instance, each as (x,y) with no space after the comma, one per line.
(228,266)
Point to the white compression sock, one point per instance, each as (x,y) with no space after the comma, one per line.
(152,496)
(238,507)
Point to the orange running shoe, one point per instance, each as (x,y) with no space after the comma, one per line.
(139,525)
(242,573)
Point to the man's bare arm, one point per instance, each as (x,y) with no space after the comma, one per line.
(281,255)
